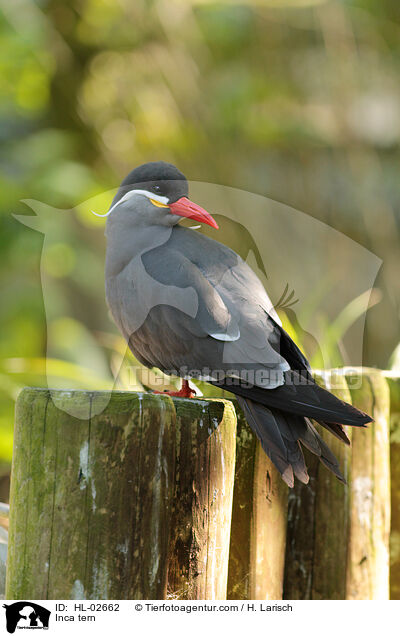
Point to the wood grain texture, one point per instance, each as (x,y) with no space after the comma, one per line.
(91,497)
(368,562)
(99,496)
(199,551)
(394,387)
(129,495)
(338,536)
(258,535)
(318,519)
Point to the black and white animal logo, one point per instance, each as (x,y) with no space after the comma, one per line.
(26,615)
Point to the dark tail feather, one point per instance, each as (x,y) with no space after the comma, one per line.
(302,396)
(336,430)
(280,434)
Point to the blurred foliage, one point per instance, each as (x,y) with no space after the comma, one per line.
(297,100)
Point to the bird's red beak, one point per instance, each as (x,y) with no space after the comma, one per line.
(185,207)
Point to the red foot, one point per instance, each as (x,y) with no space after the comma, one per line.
(185,392)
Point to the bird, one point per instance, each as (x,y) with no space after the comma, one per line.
(192,307)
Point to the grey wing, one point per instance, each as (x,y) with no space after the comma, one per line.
(225,327)
(257,353)
(162,321)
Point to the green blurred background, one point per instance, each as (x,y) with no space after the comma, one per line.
(296,100)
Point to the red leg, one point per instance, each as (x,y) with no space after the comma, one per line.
(185,391)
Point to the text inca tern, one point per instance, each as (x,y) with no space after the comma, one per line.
(192,307)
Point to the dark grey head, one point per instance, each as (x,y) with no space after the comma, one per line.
(157,178)
(154,194)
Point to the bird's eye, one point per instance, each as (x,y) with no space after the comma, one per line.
(156,188)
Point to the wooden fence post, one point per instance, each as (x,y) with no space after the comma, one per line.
(129,495)
(393,381)
(258,536)
(92,494)
(318,520)
(338,536)
(199,551)
(368,559)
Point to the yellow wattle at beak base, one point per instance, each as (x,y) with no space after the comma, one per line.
(158,204)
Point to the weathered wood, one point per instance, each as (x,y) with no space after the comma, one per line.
(127,495)
(199,550)
(91,498)
(96,487)
(394,387)
(368,559)
(318,520)
(258,535)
